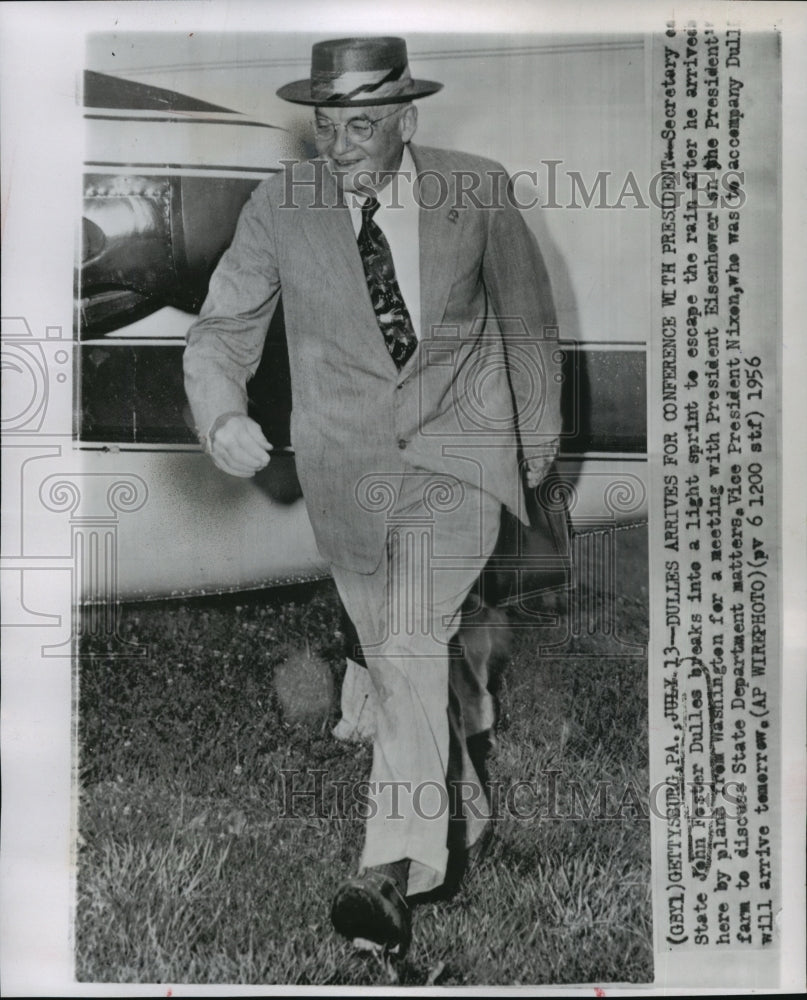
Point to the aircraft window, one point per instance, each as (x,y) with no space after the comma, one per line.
(607,408)
(133,393)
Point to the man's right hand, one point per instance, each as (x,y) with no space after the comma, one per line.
(237,445)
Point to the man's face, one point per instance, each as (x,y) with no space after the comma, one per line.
(360,163)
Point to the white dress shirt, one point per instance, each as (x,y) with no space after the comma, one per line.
(398,217)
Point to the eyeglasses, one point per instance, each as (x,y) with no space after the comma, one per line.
(357,129)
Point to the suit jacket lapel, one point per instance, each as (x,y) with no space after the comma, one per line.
(330,234)
(332,242)
(440,229)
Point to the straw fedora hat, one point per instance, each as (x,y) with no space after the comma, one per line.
(358,72)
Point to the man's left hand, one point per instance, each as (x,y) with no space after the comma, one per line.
(538,465)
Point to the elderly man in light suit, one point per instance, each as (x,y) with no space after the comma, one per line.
(421,337)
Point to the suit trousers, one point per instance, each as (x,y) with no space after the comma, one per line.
(440,534)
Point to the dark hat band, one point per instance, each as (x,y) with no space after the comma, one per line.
(330,87)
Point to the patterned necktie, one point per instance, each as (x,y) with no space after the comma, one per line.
(390,309)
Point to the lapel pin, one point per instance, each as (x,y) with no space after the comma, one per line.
(453,215)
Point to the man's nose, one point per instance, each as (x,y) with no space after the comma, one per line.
(341,140)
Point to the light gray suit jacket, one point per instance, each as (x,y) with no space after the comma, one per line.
(482,385)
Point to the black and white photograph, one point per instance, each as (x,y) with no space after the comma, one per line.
(395,516)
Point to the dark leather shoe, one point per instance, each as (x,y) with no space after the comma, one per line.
(369,910)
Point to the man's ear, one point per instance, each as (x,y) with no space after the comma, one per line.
(408,123)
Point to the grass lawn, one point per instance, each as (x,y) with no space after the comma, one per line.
(189,871)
